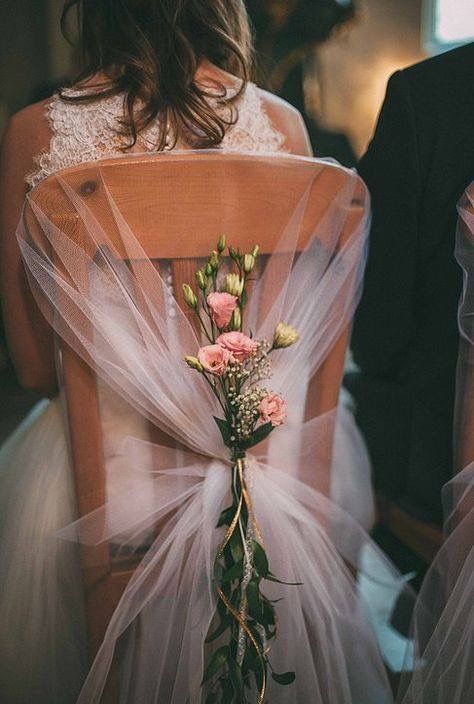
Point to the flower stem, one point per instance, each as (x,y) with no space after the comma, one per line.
(211,340)
(214,391)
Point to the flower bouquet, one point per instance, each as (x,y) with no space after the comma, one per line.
(235,365)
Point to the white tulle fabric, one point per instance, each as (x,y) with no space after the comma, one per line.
(443,620)
(117,318)
(43,655)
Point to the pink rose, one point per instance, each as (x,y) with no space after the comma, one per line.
(238,344)
(221,305)
(272,409)
(215,359)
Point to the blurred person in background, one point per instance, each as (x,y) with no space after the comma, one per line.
(287,34)
(405,338)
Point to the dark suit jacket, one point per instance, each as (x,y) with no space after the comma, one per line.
(405,337)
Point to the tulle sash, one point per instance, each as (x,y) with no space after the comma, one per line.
(109,302)
(309,541)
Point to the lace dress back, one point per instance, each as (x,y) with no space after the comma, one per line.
(89,132)
(83,132)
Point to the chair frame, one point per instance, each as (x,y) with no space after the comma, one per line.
(104,579)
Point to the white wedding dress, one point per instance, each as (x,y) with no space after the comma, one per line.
(42,641)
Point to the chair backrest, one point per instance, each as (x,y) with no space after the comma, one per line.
(248,200)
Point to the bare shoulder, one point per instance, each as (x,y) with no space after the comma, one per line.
(30,339)
(27,134)
(287,120)
(29,130)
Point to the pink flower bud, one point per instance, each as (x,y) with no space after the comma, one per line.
(221,305)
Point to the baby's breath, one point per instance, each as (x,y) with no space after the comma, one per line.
(243,392)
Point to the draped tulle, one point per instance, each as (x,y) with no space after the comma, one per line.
(307,540)
(443,619)
(111,304)
(42,638)
(43,648)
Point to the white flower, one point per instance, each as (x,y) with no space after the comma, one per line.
(284,336)
(234,284)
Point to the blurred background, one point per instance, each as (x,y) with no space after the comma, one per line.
(329,58)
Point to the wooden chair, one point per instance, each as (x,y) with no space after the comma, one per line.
(143,188)
(423,539)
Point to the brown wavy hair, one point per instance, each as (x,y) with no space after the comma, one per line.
(149,51)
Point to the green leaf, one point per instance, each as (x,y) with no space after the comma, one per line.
(251,661)
(235,544)
(226,430)
(221,628)
(225,519)
(233,572)
(253,596)
(271,578)
(227,692)
(268,613)
(236,677)
(221,609)
(259,675)
(228,559)
(260,559)
(235,598)
(218,660)
(258,435)
(284,678)
(212,698)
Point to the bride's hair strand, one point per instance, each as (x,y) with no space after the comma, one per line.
(149,51)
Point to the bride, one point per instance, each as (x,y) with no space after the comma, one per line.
(157,76)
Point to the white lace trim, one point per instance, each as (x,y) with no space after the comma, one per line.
(84,132)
